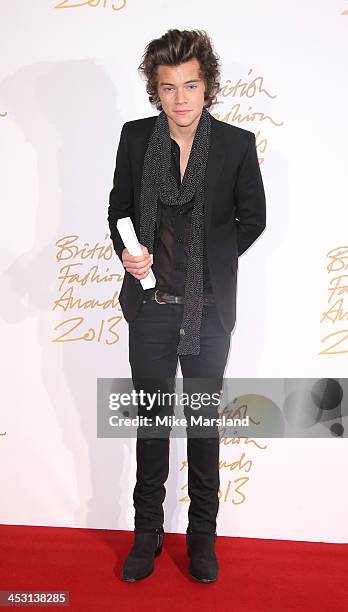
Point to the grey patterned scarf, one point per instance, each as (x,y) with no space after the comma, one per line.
(157,181)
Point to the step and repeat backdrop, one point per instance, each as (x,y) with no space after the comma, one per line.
(68,82)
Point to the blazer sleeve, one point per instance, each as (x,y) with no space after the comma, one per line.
(121,195)
(250,199)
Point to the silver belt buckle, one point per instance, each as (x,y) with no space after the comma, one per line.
(156,300)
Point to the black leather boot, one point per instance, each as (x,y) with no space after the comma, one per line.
(140,561)
(203,564)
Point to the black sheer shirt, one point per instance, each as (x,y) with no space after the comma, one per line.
(171,242)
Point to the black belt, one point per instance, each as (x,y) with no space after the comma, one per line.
(161,297)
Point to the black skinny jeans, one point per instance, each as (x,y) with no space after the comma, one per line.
(153,341)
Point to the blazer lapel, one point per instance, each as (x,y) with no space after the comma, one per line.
(213,170)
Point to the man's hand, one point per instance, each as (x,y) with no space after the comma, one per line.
(137,265)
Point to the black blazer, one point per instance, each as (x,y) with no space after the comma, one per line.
(234,207)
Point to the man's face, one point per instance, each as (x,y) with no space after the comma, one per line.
(181,91)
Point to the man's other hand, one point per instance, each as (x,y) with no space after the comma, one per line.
(137,265)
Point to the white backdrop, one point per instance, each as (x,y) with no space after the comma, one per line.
(68,81)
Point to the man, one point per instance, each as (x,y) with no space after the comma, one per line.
(193,188)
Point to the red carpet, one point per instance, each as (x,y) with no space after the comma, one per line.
(255,575)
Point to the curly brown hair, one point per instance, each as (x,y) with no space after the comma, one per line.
(176,47)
